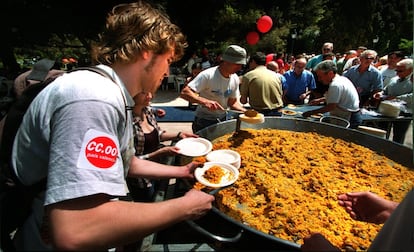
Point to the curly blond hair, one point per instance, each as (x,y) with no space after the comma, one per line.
(133,28)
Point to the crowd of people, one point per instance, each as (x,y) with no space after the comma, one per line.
(97,140)
(362,79)
(346,84)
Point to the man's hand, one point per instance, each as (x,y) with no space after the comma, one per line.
(317,242)
(160,112)
(212,105)
(367,206)
(199,203)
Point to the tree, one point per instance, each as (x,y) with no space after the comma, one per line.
(55,28)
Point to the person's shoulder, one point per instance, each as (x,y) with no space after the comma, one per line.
(384,68)
(352,69)
(315,58)
(393,80)
(308,73)
(374,69)
(84,83)
(209,71)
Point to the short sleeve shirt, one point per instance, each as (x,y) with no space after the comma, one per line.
(367,81)
(78,133)
(297,85)
(211,85)
(263,87)
(342,92)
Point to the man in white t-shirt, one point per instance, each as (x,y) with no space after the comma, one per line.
(216,89)
(388,71)
(78,133)
(341,98)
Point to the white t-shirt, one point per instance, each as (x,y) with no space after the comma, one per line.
(387,75)
(211,85)
(77,133)
(342,92)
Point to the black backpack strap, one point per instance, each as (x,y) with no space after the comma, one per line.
(96,70)
(107,75)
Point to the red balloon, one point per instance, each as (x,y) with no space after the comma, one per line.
(252,38)
(269,57)
(264,24)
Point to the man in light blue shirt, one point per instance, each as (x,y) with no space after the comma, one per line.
(366,77)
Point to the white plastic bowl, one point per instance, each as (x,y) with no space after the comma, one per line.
(227,156)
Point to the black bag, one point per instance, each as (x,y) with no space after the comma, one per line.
(15,198)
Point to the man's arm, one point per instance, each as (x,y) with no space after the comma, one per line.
(243,90)
(154,170)
(243,99)
(97,223)
(188,94)
(234,104)
(191,96)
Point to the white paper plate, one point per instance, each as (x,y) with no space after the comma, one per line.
(259,118)
(227,156)
(194,147)
(231,174)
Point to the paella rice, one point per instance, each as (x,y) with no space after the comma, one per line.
(289,182)
(214,174)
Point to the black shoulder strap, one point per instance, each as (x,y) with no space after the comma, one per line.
(107,75)
(96,70)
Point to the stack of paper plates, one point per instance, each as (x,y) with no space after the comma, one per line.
(389,108)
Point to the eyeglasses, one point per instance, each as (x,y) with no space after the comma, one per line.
(326,49)
(299,67)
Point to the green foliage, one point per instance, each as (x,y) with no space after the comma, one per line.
(406,45)
(57,47)
(49,31)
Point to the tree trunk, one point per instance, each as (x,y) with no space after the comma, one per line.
(10,66)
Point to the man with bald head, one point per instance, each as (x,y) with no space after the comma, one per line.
(299,83)
(327,47)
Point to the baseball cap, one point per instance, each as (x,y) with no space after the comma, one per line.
(235,54)
(41,69)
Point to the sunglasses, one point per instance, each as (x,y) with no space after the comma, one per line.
(369,58)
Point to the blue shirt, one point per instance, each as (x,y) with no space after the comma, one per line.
(365,82)
(314,61)
(297,85)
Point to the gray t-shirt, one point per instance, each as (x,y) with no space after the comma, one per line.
(77,133)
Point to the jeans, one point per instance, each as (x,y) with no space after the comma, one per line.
(355,120)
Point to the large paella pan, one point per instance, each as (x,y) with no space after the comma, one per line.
(306,200)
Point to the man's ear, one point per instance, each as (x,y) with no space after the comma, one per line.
(145,55)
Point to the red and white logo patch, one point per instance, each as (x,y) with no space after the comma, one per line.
(99,150)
